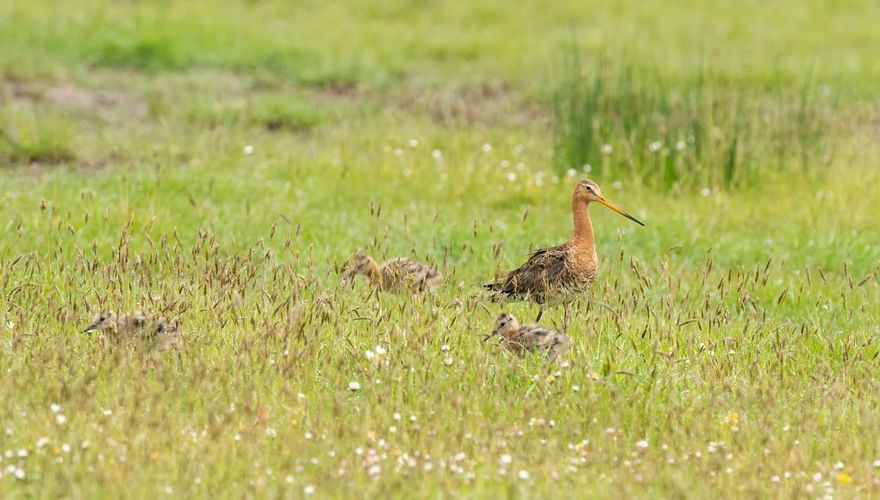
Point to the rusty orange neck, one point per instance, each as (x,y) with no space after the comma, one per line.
(583,227)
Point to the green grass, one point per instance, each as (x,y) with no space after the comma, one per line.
(28,137)
(703,131)
(735,333)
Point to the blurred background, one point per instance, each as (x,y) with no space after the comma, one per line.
(249,102)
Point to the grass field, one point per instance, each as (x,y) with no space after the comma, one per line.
(220,162)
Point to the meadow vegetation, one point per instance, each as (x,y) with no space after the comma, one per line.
(220,163)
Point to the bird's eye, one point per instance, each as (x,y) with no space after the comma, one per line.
(102,318)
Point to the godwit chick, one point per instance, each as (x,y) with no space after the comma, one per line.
(166,336)
(394,276)
(522,339)
(154,330)
(117,328)
(558,275)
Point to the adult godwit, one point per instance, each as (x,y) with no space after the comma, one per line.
(522,339)
(558,275)
(394,276)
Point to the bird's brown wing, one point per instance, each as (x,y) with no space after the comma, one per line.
(534,337)
(544,340)
(533,279)
(415,275)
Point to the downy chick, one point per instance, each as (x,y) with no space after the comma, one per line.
(153,330)
(522,339)
(394,276)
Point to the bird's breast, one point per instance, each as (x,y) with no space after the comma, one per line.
(582,261)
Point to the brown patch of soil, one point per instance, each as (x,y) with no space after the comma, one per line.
(490,103)
(71,97)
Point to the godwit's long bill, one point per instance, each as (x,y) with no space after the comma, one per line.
(558,275)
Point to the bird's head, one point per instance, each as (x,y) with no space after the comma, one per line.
(506,324)
(588,191)
(359,263)
(104,320)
